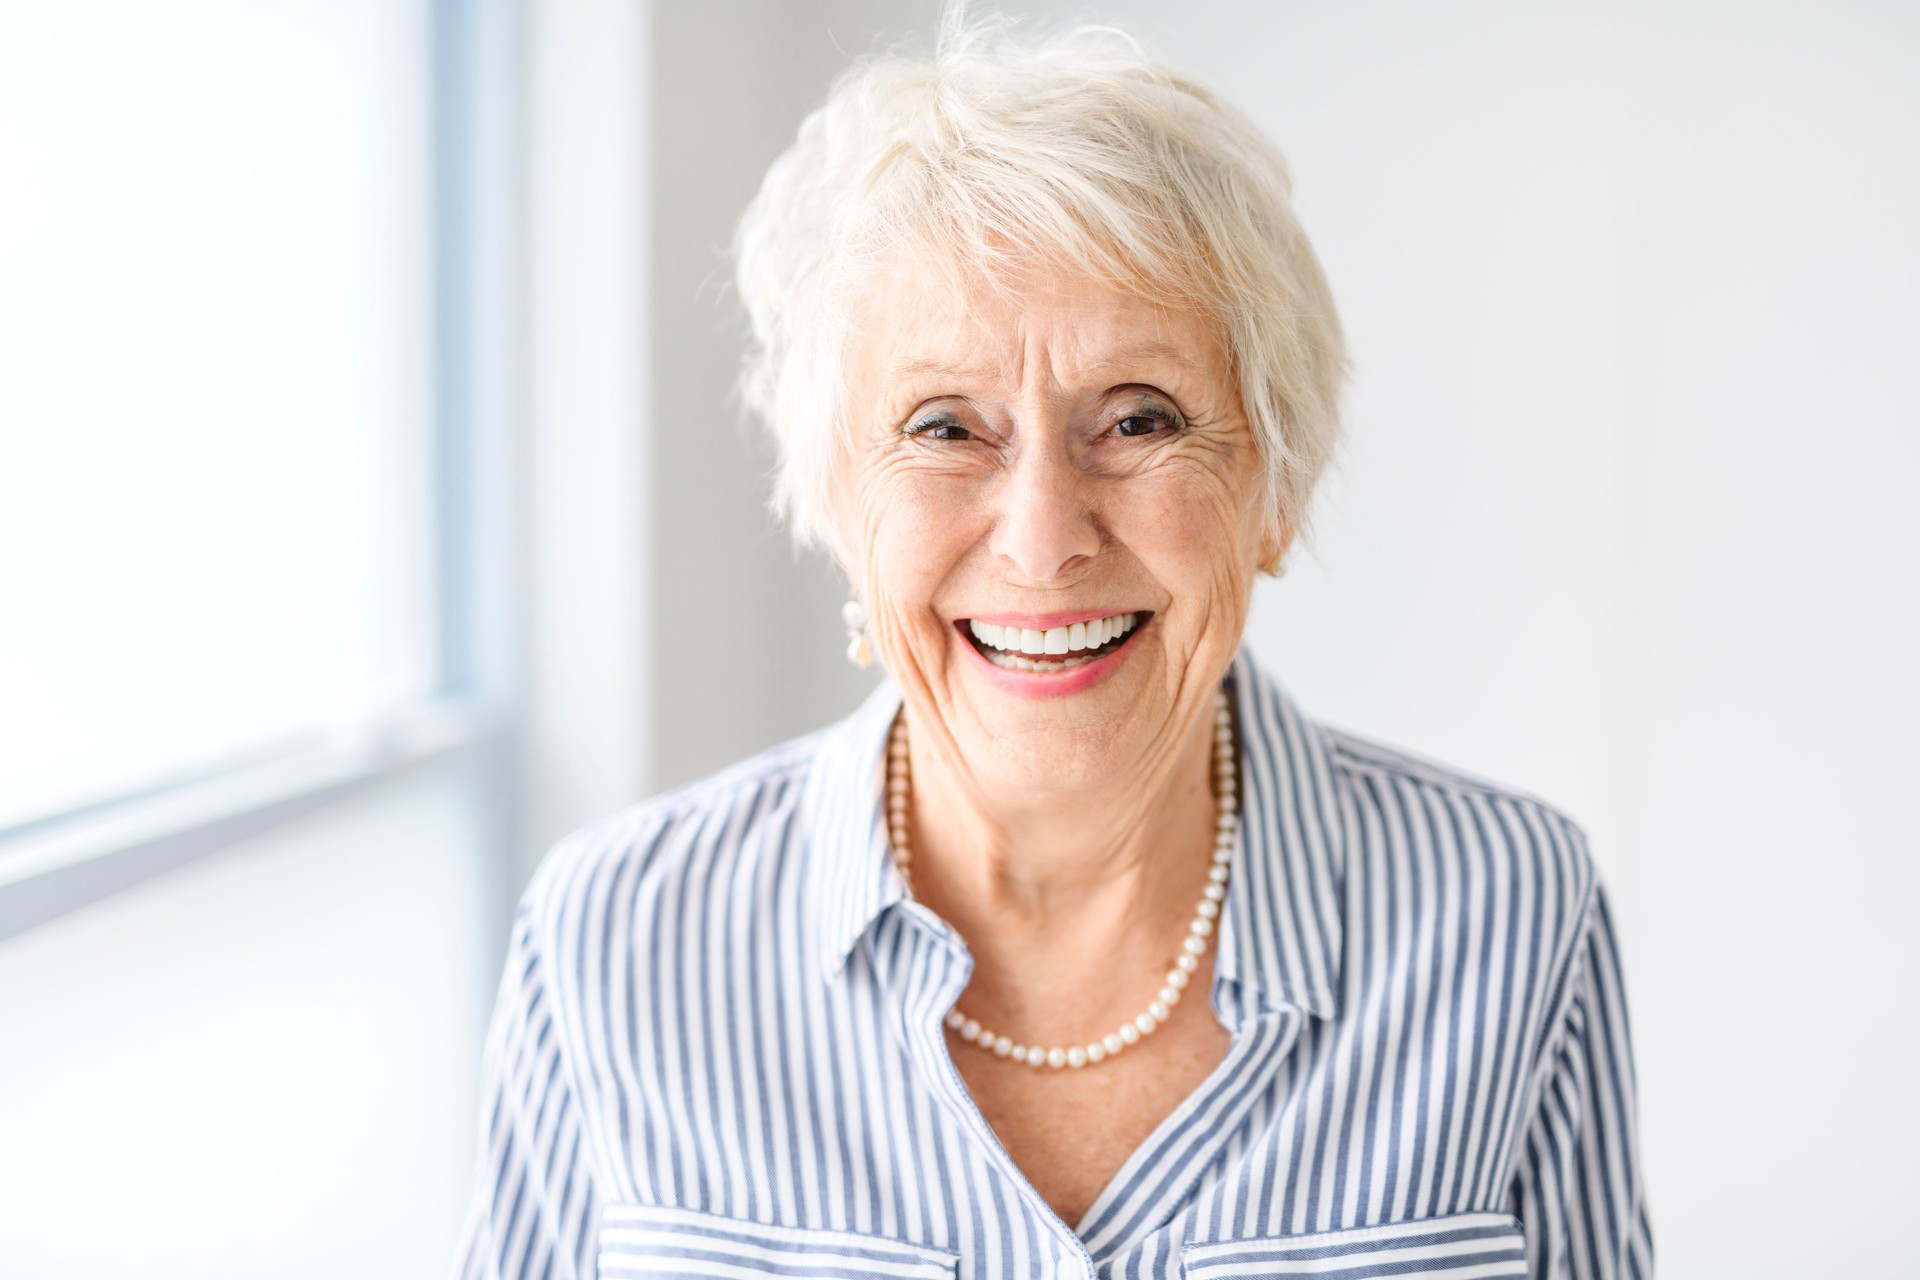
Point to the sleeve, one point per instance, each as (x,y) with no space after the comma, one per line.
(1579,1188)
(534,1205)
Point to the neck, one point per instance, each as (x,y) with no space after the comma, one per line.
(1064,883)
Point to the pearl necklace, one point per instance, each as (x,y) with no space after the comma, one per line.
(1127,1034)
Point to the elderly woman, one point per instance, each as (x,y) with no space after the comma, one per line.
(1078,950)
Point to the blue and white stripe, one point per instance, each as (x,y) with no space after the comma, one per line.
(717,1049)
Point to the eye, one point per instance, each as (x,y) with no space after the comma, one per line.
(939,428)
(1145,421)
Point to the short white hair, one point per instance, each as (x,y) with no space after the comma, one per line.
(1074,149)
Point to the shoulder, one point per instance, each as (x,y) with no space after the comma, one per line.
(1497,841)
(672,843)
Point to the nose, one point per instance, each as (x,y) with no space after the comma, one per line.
(1046,526)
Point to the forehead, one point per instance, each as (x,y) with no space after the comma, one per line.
(922,318)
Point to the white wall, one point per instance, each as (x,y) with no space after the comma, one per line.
(1624,519)
(265,1064)
(748,640)
(590,601)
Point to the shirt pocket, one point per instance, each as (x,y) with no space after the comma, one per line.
(1461,1246)
(657,1240)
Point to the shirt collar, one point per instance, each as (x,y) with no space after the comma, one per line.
(852,879)
(1281,931)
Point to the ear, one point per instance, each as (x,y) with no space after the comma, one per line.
(1273,549)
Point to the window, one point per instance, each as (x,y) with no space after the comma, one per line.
(230,251)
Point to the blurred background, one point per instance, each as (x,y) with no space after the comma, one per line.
(374,509)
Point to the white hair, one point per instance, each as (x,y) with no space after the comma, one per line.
(1074,149)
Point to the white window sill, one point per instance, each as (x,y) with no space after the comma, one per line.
(52,867)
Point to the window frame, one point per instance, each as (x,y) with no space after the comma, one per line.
(54,864)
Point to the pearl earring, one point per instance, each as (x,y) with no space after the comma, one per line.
(859,648)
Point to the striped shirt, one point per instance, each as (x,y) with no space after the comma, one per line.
(718,1046)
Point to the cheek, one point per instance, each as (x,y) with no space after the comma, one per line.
(914,532)
(1198,533)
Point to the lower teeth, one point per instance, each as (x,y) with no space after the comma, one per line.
(1014,662)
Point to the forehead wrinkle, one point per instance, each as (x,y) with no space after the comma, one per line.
(961,349)
(989,345)
(1147,353)
(932,366)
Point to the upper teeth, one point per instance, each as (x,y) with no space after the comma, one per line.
(1081,635)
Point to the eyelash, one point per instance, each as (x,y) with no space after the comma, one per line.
(1165,417)
(932,424)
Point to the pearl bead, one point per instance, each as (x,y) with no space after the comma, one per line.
(1208,908)
(1216,891)
(1177,978)
(1229,803)
(1129,1033)
(1113,1043)
(1002,1046)
(1076,1057)
(1193,946)
(1159,1010)
(969,1031)
(1056,1058)
(1096,1051)
(1018,1053)
(1187,963)
(955,1018)
(1201,927)
(1169,995)
(1147,1023)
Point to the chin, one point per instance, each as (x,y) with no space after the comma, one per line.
(1057,759)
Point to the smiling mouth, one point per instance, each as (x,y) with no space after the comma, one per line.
(1058,649)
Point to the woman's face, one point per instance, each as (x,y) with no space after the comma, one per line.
(1054,465)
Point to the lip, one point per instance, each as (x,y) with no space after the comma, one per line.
(1050,684)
